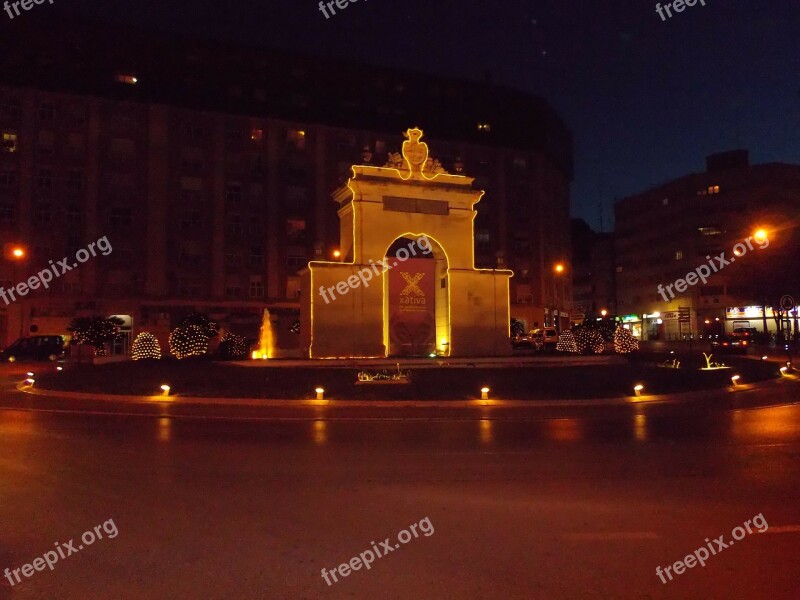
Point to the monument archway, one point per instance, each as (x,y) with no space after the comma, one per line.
(352,309)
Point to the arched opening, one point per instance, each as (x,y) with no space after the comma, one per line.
(416,304)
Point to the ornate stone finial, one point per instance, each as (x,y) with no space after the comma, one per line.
(414,151)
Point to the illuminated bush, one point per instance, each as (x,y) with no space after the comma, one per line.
(566,342)
(624,342)
(589,340)
(233,347)
(145,346)
(188,341)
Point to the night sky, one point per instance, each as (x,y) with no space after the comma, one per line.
(645,99)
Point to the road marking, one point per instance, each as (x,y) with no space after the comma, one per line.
(783,529)
(611,535)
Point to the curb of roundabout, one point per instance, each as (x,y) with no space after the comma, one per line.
(730,393)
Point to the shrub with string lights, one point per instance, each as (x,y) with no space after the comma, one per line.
(589,340)
(188,341)
(624,342)
(566,342)
(233,347)
(95,331)
(146,346)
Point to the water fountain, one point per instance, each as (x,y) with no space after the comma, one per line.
(266,340)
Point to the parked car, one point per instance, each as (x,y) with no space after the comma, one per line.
(544,338)
(730,345)
(747,333)
(36,347)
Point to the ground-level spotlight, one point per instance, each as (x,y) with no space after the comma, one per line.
(165,390)
(637,389)
(485,393)
(29,374)
(320,393)
(784,370)
(59,368)
(765,357)
(735,380)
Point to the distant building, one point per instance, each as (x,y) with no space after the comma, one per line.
(210,168)
(593,285)
(669,231)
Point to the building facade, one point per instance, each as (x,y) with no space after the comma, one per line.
(593,273)
(685,225)
(210,169)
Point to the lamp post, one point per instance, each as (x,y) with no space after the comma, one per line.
(17,253)
(558,269)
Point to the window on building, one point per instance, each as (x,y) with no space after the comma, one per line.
(44,179)
(256,135)
(9,107)
(234,226)
(9,142)
(665,202)
(710,230)
(256,287)
(189,220)
(256,256)
(127,78)
(233,192)
(295,230)
(485,127)
(521,163)
(296,138)
(295,262)
(8,177)
(75,180)
(43,213)
(47,112)
(7,212)
(72,214)
(679,255)
(233,260)
(120,216)
(45,142)
(713,189)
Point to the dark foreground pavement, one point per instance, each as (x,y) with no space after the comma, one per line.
(527,506)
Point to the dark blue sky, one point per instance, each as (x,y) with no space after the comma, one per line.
(646,99)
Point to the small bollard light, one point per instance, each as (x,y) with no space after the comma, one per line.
(764,357)
(165,390)
(320,393)
(30,381)
(735,380)
(638,389)
(485,393)
(784,370)
(29,374)
(59,368)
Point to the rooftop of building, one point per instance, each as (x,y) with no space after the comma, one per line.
(125,64)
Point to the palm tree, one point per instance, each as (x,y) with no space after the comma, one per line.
(95,331)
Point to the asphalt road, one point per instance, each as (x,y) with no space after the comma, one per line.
(521,504)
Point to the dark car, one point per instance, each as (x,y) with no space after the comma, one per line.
(730,345)
(37,347)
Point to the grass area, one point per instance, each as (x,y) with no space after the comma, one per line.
(213,379)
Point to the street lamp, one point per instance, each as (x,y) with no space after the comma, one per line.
(17,253)
(558,269)
(760,235)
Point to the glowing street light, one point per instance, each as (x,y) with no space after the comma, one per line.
(760,235)
(558,268)
(337,254)
(320,393)
(638,389)
(735,380)
(18,252)
(485,393)
(604,312)
(165,390)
